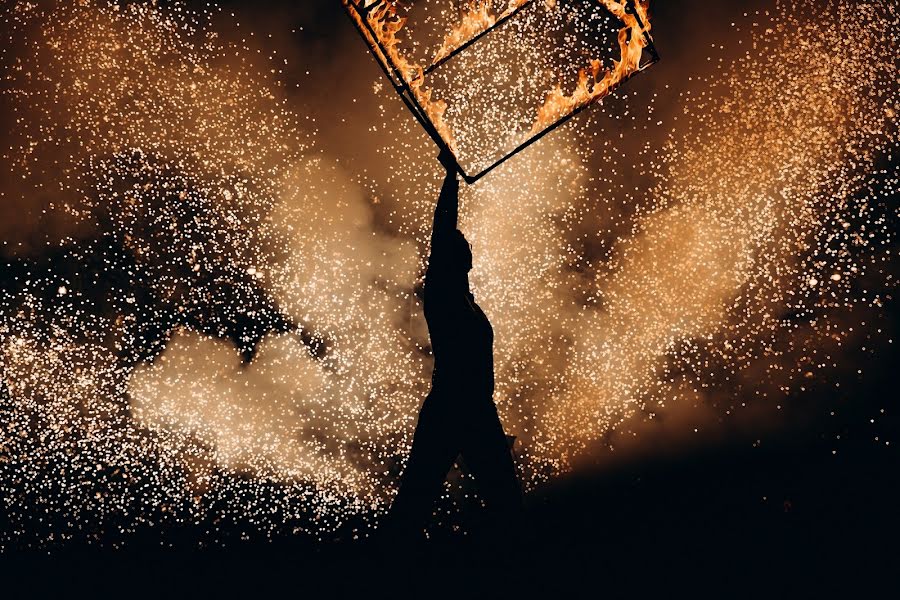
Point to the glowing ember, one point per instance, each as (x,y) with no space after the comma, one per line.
(504,77)
(591,85)
(477,19)
(386,24)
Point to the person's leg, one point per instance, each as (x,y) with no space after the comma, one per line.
(488,457)
(431,456)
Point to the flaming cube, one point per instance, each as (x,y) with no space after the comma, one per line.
(503,73)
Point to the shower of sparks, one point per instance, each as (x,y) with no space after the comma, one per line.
(211,325)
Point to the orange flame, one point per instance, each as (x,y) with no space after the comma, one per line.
(477,19)
(386,24)
(558,104)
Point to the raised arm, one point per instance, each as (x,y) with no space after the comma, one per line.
(446,213)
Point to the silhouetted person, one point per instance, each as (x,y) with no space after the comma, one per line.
(458,415)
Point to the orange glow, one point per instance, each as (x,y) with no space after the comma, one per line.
(632,41)
(593,82)
(387,24)
(477,19)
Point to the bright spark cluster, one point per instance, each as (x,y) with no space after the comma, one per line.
(210,326)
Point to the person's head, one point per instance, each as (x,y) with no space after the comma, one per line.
(460,252)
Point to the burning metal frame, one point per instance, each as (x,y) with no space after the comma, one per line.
(359,11)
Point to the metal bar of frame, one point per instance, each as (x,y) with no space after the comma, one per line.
(654,58)
(408,97)
(402,88)
(497,24)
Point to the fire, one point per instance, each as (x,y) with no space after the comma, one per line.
(632,41)
(384,21)
(382,17)
(477,19)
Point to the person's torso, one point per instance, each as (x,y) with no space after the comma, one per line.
(462,342)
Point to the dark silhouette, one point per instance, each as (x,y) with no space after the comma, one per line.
(458,415)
